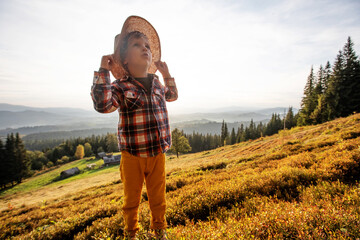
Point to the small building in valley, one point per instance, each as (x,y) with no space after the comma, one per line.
(70,172)
(110,159)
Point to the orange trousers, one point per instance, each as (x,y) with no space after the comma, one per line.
(133,171)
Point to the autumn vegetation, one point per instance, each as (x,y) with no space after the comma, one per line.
(301,183)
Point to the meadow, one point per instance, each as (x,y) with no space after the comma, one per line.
(301,183)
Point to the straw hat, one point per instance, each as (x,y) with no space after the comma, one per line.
(131,24)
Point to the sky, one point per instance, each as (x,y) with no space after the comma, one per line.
(249,54)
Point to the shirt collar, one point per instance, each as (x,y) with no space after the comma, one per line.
(128,77)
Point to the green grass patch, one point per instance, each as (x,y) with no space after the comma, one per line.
(52,178)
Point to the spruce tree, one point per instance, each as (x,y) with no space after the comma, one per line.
(327,75)
(334,90)
(240,134)
(21,160)
(274,125)
(350,95)
(232,137)
(10,164)
(2,164)
(290,119)
(252,130)
(308,102)
(224,133)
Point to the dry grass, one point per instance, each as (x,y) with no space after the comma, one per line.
(300,184)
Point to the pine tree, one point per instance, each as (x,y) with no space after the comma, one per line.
(10,155)
(224,133)
(320,83)
(327,75)
(308,102)
(319,114)
(22,162)
(111,143)
(274,125)
(232,137)
(2,163)
(241,134)
(333,92)
(290,119)
(350,95)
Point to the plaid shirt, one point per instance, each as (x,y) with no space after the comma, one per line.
(143,128)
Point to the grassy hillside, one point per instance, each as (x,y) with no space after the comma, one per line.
(301,184)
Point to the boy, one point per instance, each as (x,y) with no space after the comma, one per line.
(143,129)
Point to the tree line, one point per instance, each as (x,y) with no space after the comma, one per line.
(202,142)
(334,91)
(14,164)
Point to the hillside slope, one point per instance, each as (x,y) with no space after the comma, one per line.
(301,184)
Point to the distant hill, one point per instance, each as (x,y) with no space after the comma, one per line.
(205,126)
(68,134)
(56,110)
(28,120)
(232,115)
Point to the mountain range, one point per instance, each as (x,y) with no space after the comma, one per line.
(28,120)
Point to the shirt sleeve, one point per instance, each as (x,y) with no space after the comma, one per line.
(103,93)
(171,93)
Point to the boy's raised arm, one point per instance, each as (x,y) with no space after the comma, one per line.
(102,92)
(171,93)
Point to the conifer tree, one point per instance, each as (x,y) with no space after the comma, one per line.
(2,163)
(320,82)
(274,125)
(260,130)
(308,102)
(10,164)
(350,95)
(327,75)
(333,92)
(252,130)
(232,137)
(290,119)
(224,133)
(240,134)
(111,143)
(22,163)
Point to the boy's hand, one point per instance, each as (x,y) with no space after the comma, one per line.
(163,69)
(107,62)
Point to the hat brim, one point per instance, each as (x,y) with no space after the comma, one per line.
(136,23)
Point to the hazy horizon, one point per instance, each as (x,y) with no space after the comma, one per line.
(183,111)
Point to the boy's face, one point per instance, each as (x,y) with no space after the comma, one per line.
(138,53)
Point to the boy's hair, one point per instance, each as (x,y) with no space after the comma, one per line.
(125,42)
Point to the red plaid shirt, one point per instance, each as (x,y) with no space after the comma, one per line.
(143,128)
